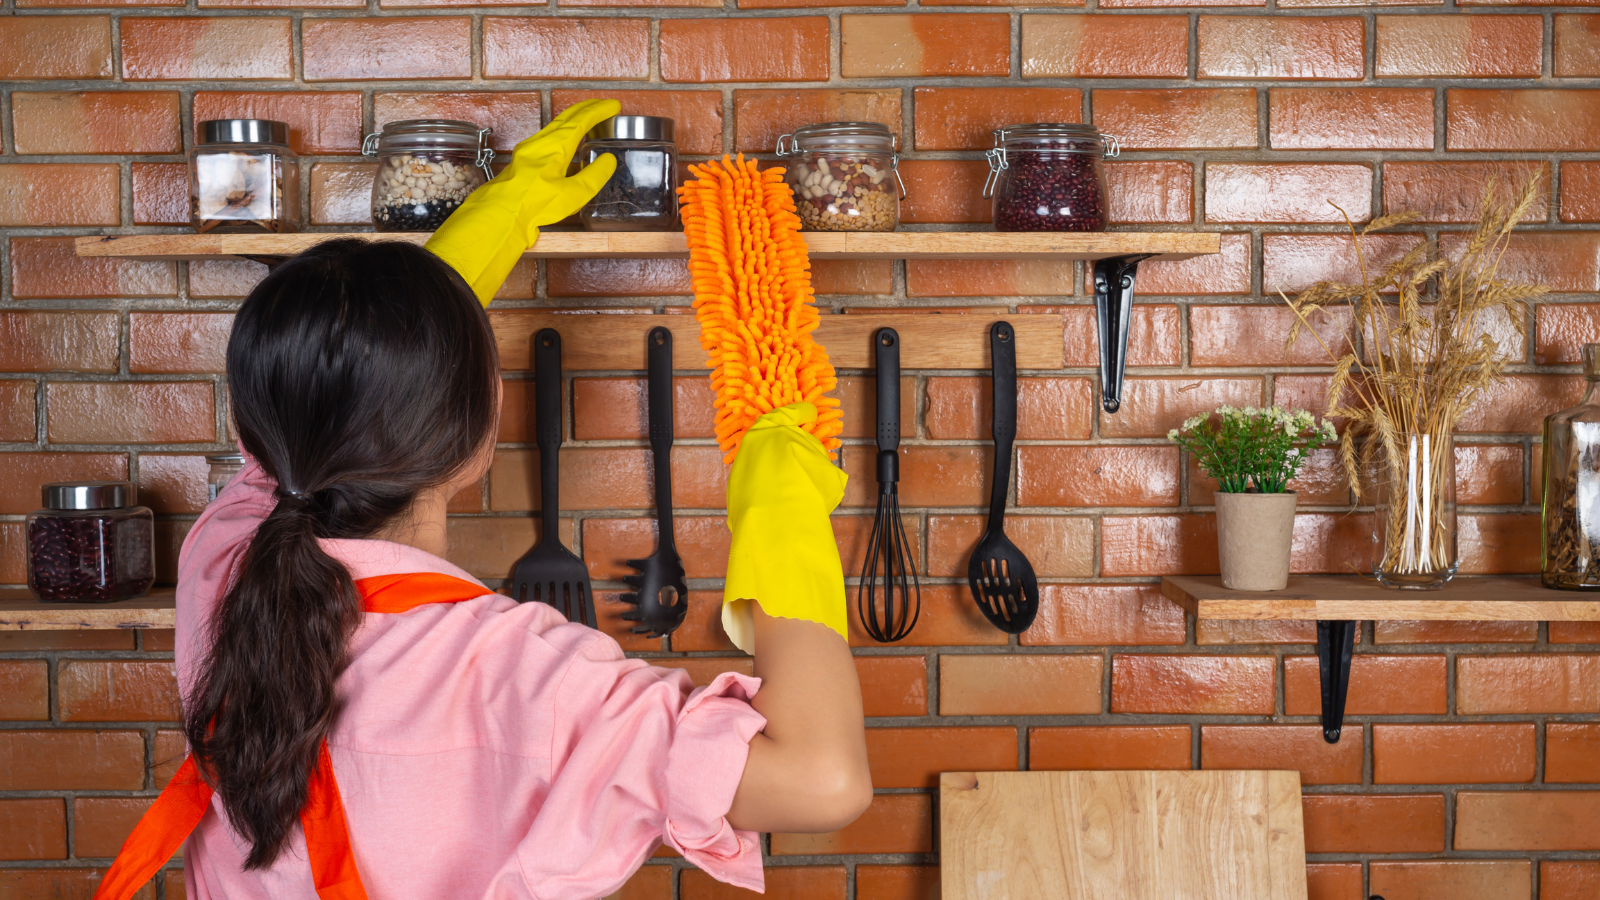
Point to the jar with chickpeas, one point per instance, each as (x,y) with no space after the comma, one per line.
(426,167)
(845,176)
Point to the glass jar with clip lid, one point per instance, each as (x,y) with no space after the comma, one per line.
(1048,176)
(426,167)
(845,176)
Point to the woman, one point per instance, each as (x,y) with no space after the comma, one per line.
(366,720)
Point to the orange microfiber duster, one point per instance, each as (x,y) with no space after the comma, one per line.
(753,298)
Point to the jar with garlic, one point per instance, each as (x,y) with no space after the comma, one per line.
(243,178)
(845,176)
(426,167)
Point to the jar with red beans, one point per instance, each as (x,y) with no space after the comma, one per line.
(90,543)
(1048,177)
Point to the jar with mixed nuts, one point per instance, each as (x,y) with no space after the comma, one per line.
(845,176)
(426,167)
(244,178)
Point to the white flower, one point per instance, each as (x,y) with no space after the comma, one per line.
(1172,435)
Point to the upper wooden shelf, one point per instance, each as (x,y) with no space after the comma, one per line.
(1351,597)
(20,612)
(670,244)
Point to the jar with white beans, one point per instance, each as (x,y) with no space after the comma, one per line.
(845,176)
(426,167)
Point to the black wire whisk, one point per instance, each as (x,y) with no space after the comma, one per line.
(889,599)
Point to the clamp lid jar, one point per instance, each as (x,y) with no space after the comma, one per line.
(243,177)
(426,167)
(642,194)
(841,176)
(1048,176)
(90,543)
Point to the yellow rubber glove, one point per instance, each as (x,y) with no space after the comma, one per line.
(780,493)
(500,220)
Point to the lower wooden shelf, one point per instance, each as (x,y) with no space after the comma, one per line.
(20,612)
(1352,597)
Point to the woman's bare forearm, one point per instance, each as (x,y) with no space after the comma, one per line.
(807,771)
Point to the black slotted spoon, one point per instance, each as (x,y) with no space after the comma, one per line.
(550,573)
(1001,578)
(660,592)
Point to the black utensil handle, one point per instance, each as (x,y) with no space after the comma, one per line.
(1003,360)
(659,343)
(886,347)
(547,426)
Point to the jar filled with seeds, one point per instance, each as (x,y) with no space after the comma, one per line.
(244,178)
(845,176)
(90,543)
(426,167)
(1048,177)
(642,194)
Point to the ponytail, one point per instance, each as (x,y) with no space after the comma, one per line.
(360,374)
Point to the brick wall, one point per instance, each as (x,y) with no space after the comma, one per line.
(1468,769)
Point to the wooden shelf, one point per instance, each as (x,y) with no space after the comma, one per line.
(1350,597)
(659,245)
(20,612)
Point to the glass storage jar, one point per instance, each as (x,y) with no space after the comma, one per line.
(426,167)
(243,177)
(845,176)
(642,194)
(1048,177)
(220,470)
(90,543)
(1570,547)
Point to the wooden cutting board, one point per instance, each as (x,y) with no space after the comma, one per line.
(1124,835)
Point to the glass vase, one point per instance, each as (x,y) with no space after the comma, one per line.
(1414,525)
(1570,550)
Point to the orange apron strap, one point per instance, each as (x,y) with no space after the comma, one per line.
(333,864)
(159,834)
(398,593)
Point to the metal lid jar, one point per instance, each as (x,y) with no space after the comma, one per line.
(642,194)
(845,176)
(90,543)
(1048,176)
(243,177)
(426,167)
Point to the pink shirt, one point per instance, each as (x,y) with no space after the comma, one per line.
(487,749)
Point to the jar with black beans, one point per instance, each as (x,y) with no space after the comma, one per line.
(1049,177)
(90,543)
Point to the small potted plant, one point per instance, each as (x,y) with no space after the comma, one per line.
(1253,454)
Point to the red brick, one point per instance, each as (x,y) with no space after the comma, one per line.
(72,760)
(26,473)
(1522,120)
(1209,685)
(1528,820)
(1453,754)
(1152,336)
(1452,191)
(782,883)
(1297,747)
(989,278)
(1459,879)
(1498,543)
(924,44)
(1572,632)
(1571,753)
(940,191)
(96,122)
(224,278)
(341,193)
(160,194)
(1351,118)
(488,547)
(709,50)
(1047,408)
(1030,685)
(1103,614)
(1462,46)
(1563,262)
(954,118)
(32,641)
(760,117)
(1334,881)
(1181,119)
(1560,880)
(206,49)
(173,483)
(702,540)
(1580,191)
(1153,406)
(178,342)
(894,823)
(615,408)
(914,757)
(1092,747)
(696,115)
(102,824)
(1411,632)
(1105,46)
(897,883)
(892,685)
(362,49)
(1553,683)
(24,690)
(1158,545)
(1227,272)
(117,691)
(1379,686)
(1055,545)
(139,413)
(33,828)
(1150,192)
(1288,192)
(1099,476)
(513,115)
(1367,823)
(949,617)
(565,48)
(1281,47)
(38,47)
(1294,262)
(17,410)
(929,476)
(1519,404)
(40,194)
(1256,336)
(58,341)
(66,884)
(320,122)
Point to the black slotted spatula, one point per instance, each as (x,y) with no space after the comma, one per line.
(1001,578)
(659,591)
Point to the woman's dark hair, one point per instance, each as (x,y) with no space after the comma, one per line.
(360,374)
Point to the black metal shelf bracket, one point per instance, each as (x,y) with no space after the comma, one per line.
(1113,302)
(1335,645)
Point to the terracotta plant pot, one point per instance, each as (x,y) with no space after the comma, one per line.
(1254,536)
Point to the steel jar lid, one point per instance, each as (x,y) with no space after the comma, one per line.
(244,131)
(84,495)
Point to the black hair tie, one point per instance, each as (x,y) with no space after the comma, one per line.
(301,496)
